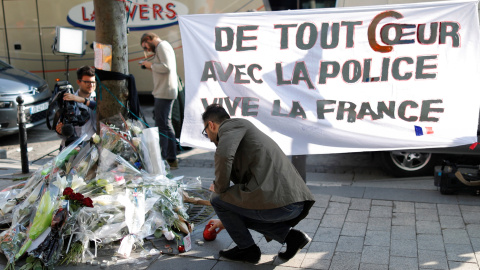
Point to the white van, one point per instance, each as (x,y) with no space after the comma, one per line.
(28,29)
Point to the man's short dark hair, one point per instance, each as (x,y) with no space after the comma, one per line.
(148,35)
(85,71)
(215,113)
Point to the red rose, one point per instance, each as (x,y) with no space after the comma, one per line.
(87,202)
(68,191)
(76,197)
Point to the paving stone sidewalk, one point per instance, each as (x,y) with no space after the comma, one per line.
(357,222)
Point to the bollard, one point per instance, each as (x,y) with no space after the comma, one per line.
(22,133)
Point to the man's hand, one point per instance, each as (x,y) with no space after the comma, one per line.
(72,97)
(58,128)
(147,64)
(217,224)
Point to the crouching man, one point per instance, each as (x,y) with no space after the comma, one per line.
(268,195)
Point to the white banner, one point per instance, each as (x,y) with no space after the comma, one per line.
(338,80)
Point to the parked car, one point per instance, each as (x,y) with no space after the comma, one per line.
(421,162)
(35,92)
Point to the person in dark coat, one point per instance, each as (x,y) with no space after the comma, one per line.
(256,187)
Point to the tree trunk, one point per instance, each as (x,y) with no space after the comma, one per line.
(111,29)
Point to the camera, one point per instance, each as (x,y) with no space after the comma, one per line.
(67,112)
(71,112)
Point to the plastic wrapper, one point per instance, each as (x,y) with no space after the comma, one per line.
(118,144)
(111,162)
(134,217)
(103,185)
(136,127)
(153,221)
(11,191)
(50,249)
(12,240)
(22,213)
(65,155)
(8,200)
(108,183)
(103,224)
(124,166)
(190,183)
(170,202)
(84,166)
(150,145)
(129,202)
(15,194)
(107,161)
(42,218)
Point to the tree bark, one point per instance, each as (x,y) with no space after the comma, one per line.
(111,29)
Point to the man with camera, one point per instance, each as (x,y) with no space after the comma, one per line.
(80,110)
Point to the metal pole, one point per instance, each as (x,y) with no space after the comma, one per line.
(22,133)
(67,60)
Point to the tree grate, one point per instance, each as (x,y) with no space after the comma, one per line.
(200,213)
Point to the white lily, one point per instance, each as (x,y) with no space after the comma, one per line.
(136,141)
(136,130)
(77,182)
(61,182)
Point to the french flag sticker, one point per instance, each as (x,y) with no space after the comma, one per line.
(420,131)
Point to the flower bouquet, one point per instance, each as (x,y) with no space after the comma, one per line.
(94,193)
(76,200)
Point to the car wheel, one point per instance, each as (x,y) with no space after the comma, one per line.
(408,164)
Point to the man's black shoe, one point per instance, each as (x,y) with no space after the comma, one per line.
(295,241)
(251,254)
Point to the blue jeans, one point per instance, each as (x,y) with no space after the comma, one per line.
(271,223)
(163,120)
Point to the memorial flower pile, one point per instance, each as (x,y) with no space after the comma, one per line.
(114,188)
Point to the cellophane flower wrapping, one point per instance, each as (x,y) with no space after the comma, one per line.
(150,145)
(131,200)
(119,144)
(134,217)
(67,153)
(11,241)
(49,251)
(170,201)
(86,164)
(16,194)
(42,217)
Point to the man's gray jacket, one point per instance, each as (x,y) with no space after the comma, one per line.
(263,176)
